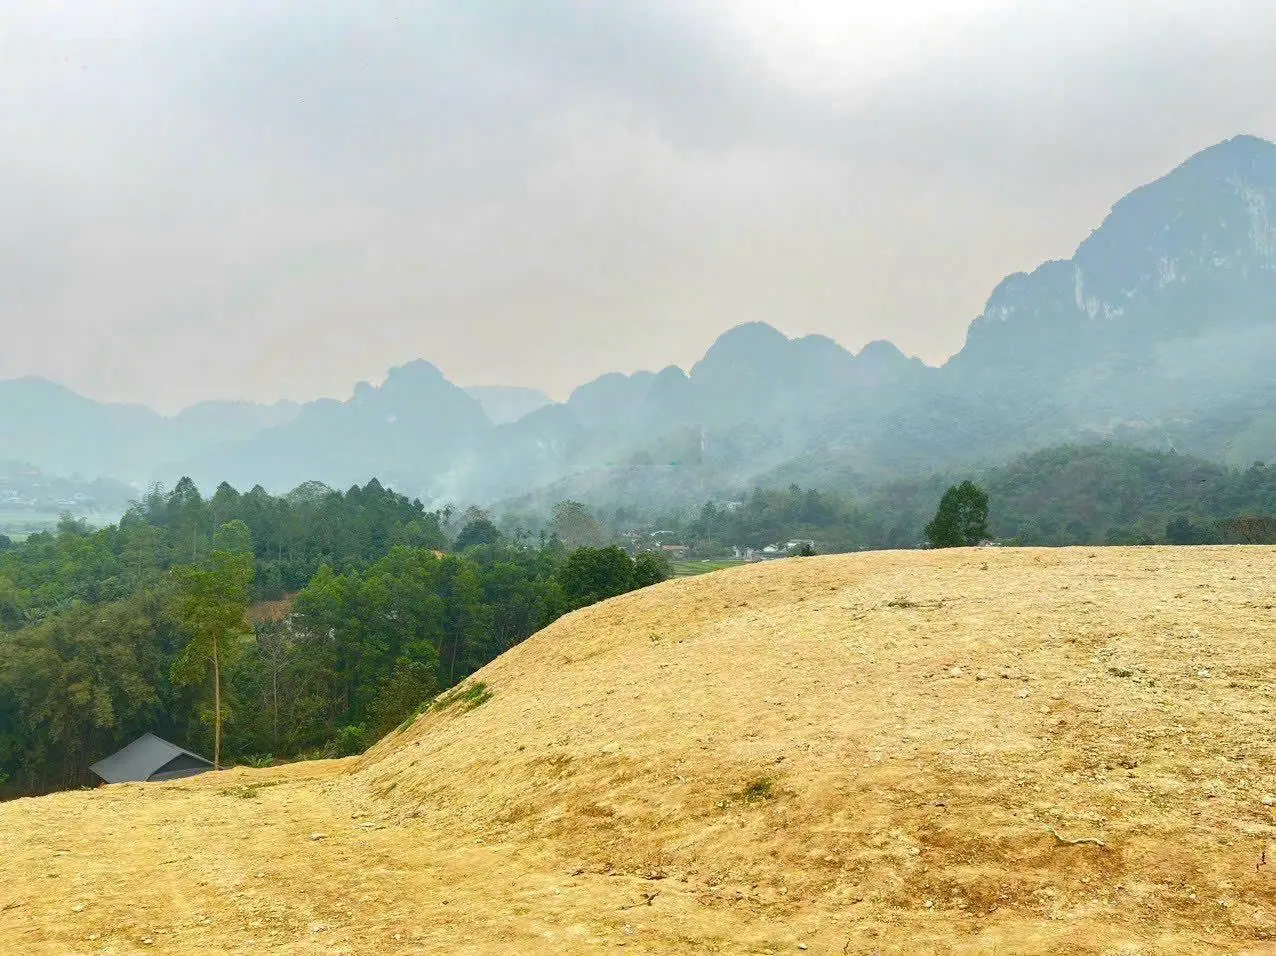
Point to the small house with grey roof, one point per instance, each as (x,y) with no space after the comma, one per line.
(150,758)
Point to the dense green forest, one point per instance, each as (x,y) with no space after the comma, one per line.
(1069,495)
(389,604)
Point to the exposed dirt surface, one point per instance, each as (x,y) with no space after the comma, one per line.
(969,751)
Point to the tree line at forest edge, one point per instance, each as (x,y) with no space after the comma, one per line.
(1105,494)
(142,626)
(100,636)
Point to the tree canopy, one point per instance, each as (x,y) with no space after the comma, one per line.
(962,518)
(354,621)
(211,603)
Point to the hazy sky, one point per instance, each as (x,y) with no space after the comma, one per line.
(278,198)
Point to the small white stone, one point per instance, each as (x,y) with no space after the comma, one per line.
(318,836)
(955,672)
(1203,672)
(1269,800)
(982,675)
(1022,694)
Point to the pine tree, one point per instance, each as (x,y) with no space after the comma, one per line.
(962,518)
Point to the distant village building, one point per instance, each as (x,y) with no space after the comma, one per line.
(150,759)
(674,550)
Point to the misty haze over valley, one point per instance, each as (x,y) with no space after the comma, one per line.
(1157,333)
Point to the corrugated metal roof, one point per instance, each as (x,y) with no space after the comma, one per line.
(137,761)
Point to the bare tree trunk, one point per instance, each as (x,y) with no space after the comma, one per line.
(217,708)
(274,680)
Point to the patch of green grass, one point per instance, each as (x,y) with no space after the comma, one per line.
(476,696)
(762,788)
(468,696)
(249,791)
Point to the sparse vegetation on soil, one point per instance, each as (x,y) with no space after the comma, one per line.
(1068,752)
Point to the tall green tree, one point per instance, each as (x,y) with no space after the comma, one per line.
(477,532)
(590,575)
(651,567)
(576,527)
(235,537)
(962,518)
(211,603)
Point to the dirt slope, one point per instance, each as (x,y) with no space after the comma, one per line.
(877,752)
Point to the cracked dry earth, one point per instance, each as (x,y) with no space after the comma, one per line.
(995,750)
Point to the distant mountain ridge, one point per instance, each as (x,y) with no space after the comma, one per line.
(1160,330)
(504,404)
(65,433)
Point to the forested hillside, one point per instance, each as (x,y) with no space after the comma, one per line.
(1083,494)
(377,618)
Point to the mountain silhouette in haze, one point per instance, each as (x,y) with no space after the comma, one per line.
(63,432)
(1161,328)
(504,404)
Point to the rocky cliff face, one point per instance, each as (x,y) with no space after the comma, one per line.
(1190,256)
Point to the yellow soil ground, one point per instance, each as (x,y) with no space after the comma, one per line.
(862,753)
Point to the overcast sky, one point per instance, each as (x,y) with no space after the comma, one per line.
(278,198)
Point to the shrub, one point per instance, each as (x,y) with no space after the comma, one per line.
(350,740)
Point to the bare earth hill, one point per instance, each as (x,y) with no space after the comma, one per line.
(967,751)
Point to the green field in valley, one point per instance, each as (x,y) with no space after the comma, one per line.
(685,569)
